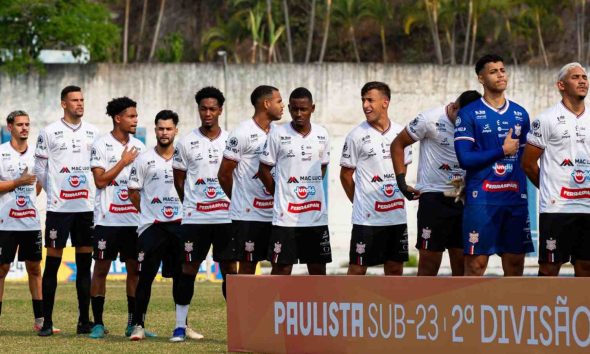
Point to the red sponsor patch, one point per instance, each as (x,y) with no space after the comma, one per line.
(213,206)
(390,205)
(575,193)
(305,207)
(505,186)
(122,208)
(263,203)
(25,213)
(80,194)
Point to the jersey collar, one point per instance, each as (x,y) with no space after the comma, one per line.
(500,110)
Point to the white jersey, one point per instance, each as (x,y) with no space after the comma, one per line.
(200,157)
(70,185)
(250,200)
(113,207)
(299,198)
(565,162)
(377,200)
(151,174)
(438,163)
(17,207)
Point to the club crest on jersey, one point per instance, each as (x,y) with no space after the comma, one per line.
(303,192)
(169,211)
(579,176)
(123,194)
(53,234)
(388,190)
(517,129)
(140,256)
(277,247)
(76,181)
(249,246)
(102,244)
(426,232)
(551,245)
(21,200)
(360,248)
(188,247)
(473,237)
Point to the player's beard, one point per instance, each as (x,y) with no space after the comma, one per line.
(165,144)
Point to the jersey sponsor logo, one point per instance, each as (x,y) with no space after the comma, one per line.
(156,200)
(123,194)
(500,169)
(582,161)
(445,167)
(169,211)
(212,191)
(122,208)
(199,181)
(292,180)
(20,214)
(297,208)
(575,193)
(76,180)
(390,205)
(310,178)
(303,192)
(579,176)
(114,183)
(263,203)
(212,206)
(566,162)
(64,169)
(486,128)
(388,189)
(504,186)
(376,179)
(21,200)
(79,194)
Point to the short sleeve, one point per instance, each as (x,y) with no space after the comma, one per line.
(419,128)
(349,156)
(179,161)
(234,146)
(136,175)
(464,127)
(270,151)
(326,156)
(42,147)
(97,156)
(539,133)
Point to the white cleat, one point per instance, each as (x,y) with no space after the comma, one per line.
(137,334)
(192,334)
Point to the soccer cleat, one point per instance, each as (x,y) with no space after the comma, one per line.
(178,335)
(149,334)
(45,331)
(84,328)
(129,330)
(137,334)
(97,332)
(192,334)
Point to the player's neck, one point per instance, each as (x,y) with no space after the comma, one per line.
(304,130)
(575,105)
(211,132)
(382,124)
(495,99)
(19,145)
(72,119)
(263,120)
(120,136)
(165,151)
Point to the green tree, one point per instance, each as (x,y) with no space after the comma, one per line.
(28,26)
(382,12)
(349,13)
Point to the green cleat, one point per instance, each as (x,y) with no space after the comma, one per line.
(97,332)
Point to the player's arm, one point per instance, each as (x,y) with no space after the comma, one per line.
(266,177)
(135,198)
(225,175)
(347,181)
(102,178)
(40,170)
(471,159)
(179,178)
(24,179)
(401,141)
(531,155)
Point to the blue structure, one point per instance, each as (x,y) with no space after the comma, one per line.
(140,134)
(5,134)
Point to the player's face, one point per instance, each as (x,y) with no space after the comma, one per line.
(375,105)
(574,84)
(127,120)
(19,129)
(493,77)
(73,104)
(165,132)
(209,112)
(274,105)
(301,110)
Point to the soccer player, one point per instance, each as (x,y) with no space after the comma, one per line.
(558,138)
(251,203)
(379,230)
(152,192)
(20,227)
(205,219)
(62,165)
(116,219)
(489,136)
(440,211)
(299,152)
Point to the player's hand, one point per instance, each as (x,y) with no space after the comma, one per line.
(408,191)
(459,190)
(128,156)
(510,145)
(26,178)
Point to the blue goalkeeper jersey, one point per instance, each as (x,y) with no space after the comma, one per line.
(480,130)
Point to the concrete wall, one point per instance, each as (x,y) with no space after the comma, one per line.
(336,90)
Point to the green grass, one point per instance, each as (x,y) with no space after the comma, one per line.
(207,315)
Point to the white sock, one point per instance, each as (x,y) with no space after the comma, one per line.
(181,313)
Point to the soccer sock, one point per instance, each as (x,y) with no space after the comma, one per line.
(183,288)
(97,308)
(130,309)
(144,289)
(49,284)
(181,314)
(38,308)
(83,263)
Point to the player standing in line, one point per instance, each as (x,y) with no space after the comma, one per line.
(115,218)
(440,211)
(379,230)
(205,219)
(62,165)
(489,136)
(20,226)
(299,152)
(251,203)
(152,192)
(558,138)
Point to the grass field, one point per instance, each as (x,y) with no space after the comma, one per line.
(207,315)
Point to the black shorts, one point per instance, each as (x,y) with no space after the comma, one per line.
(250,239)
(198,238)
(110,241)
(27,242)
(440,222)
(161,242)
(373,245)
(311,244)
(564,237)
(59,226)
